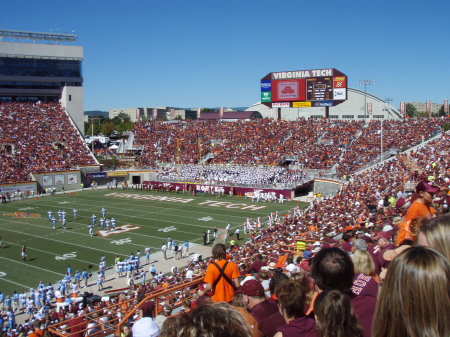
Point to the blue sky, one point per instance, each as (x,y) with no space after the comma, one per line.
(212,53)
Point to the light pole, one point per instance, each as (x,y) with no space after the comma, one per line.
(365,83)
(92,131)
(387,100)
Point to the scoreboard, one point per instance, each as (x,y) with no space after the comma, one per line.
(304,88)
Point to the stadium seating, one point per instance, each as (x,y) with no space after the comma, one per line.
(38,138)
(315,143)
(350,145)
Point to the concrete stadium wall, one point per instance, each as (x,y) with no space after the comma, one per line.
(23,187)
(70,180)
(327,187)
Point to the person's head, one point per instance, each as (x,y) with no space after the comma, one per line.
(291,297)
(303,280)
(414,299)
(219,251)
(126,330)
(253,293)
(335,316)
(277,277)
(171,325)
(359,244)
(208,320)
(435,234)
(331,269)
(426,192)
(382,239)
(363,262)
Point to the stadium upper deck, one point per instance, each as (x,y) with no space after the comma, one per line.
(31,72)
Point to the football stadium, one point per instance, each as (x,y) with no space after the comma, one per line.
(305,203)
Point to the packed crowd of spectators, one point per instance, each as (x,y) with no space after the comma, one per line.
(397,134)
(232,174)
(312,144)
(360,220)
(38,138)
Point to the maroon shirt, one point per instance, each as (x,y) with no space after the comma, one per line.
(147,309)
(303,326)
(76,326)
(365,309)
(347,246)
(255,267)
(269,325)
(263,310)
(365,285)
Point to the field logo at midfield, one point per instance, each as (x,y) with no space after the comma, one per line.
(118,230)
(23,215)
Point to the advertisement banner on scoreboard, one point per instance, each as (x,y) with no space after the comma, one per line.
(339,94)
(281,105)
(266,96)
(340,82)
(323,103)
(266,85)
(301,104)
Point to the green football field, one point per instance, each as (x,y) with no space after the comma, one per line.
(142,219)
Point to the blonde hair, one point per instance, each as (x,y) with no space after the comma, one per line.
(414,299)
(437,233)
(363,262)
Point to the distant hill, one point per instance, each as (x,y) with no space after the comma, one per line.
(104,114)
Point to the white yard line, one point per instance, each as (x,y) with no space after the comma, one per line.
(30,265)
(16,283)
(47,252)
(65,242)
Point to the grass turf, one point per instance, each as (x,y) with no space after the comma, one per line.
(158,215)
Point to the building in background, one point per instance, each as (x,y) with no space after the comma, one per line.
(155,113)
(422,107)
(49,71)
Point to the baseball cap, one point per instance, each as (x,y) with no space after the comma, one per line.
(251,288)
(306,254)
(424,187)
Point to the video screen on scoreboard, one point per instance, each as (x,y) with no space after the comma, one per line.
(319,89)
(288,90)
